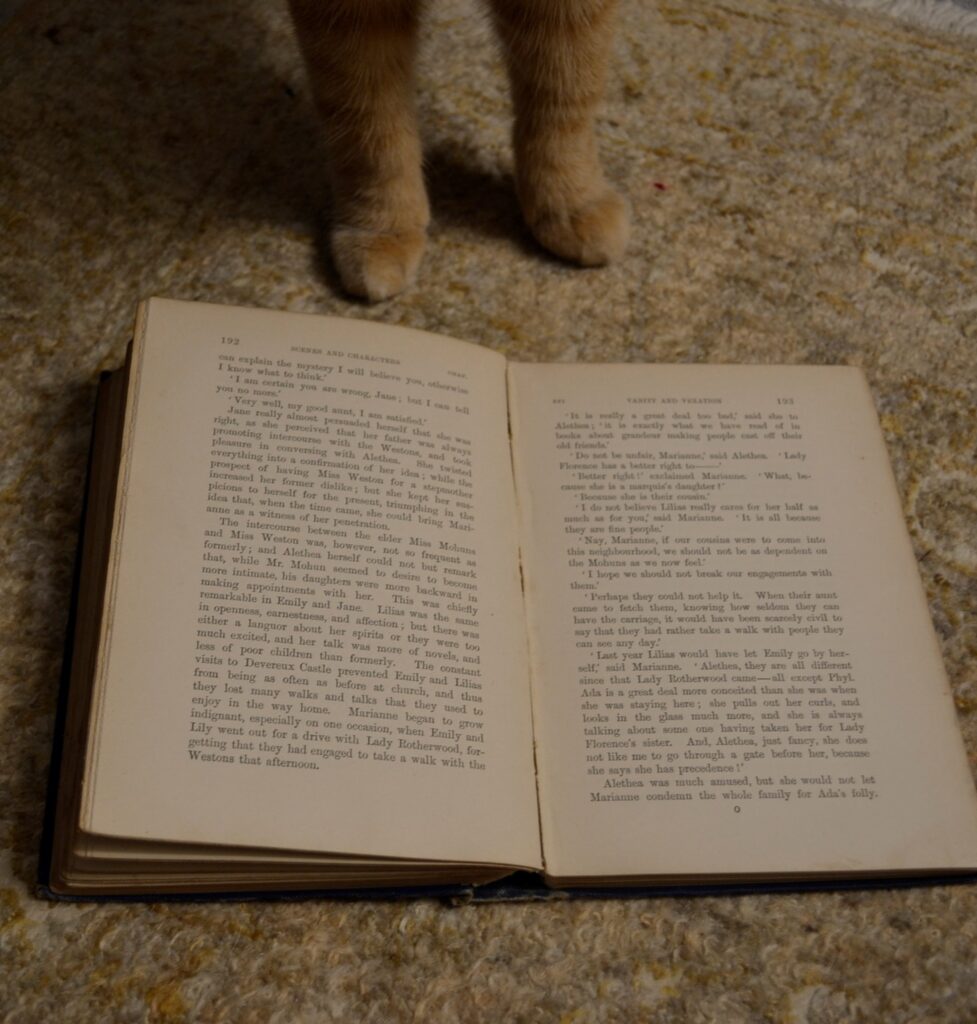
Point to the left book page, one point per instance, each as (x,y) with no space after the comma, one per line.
(314,636)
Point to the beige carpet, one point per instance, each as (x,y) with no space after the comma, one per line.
(804,183)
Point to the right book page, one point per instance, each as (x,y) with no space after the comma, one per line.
(734,667)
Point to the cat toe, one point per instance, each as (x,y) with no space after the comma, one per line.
(592,235)
(376,265)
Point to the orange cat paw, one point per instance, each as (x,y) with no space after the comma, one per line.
(376,265)
(591,234)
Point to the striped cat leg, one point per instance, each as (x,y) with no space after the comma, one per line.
(360,56)
(557,53)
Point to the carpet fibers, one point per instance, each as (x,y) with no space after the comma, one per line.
(804,188)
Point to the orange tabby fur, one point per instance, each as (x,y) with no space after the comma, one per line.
(360,56)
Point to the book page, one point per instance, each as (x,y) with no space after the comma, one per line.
(316,637)
(733,665)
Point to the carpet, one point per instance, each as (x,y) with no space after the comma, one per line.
(804,189)
(956,16)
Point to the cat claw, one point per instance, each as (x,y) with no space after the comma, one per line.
(376,265)
(592,235)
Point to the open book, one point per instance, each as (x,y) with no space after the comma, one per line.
(360,606)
